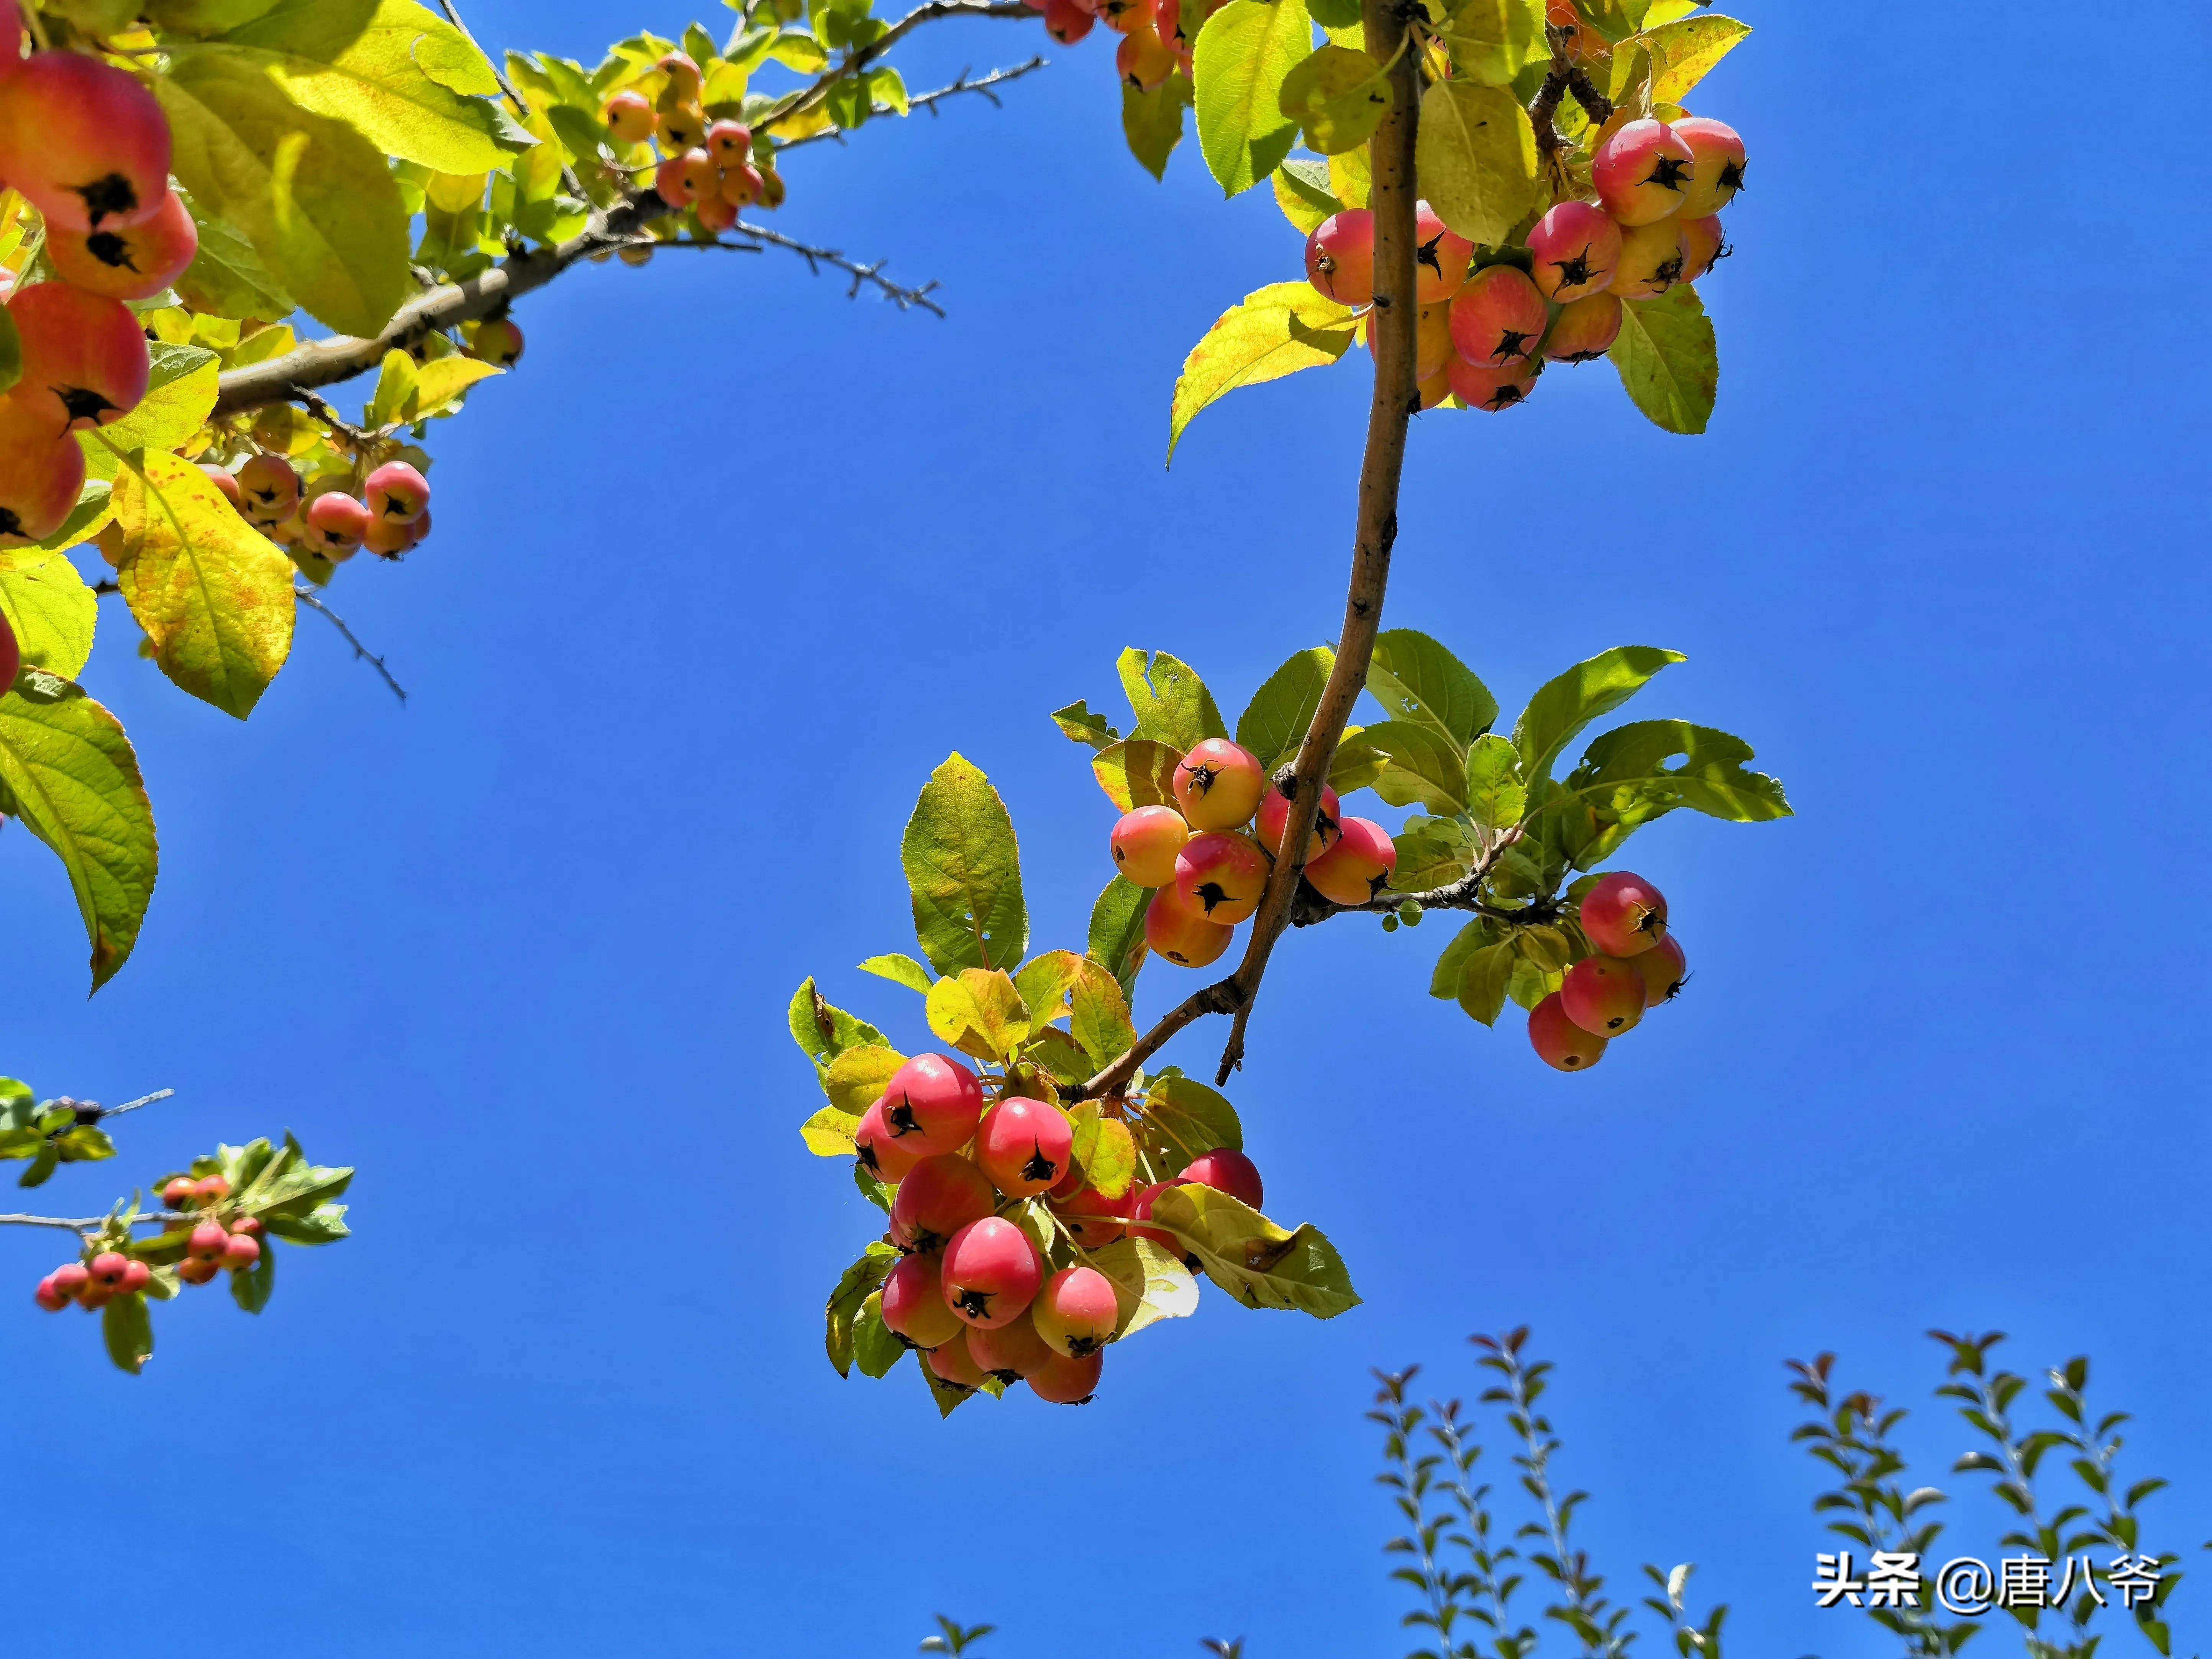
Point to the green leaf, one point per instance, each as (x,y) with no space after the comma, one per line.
(1152,121)
(964,869)
(1564,705)
(86,520)
(1476,157)
(395,390)
(1491,41)
(823,1031)
(858,1282)
(1478,935)
(1338,96)
(1669,360)
(1274,332)
(205,16)
(1171,703)
(251,1289)
(128,1332)
(323,1224)
(51,609)
(1273,724)
(1106,1149)
(1338,17)
(1117,931)
(1357,762)
(1418,680)
(181,383)
(1426,767)
(1432,853)
(316,199)
(214,594)
(1302,193)
(1496,797)
(75,783)
(1253,1259)
(1137,772)
(1625,776)
(227,277)
(1687,51)
(1043,984)
(1483,980)
(1241,58)
(1101,1014)
(900,970)
(44,1165)
(1080,724)
(11,350)
(876,1348)
(1188,1120)
(1149,1284)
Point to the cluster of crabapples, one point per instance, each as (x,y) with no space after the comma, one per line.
(1207,858)
(1485,331)
(1156,35)
(86,145)
(705,164)
(211,1248)
(972,1291)
(328,514)
(1638,965)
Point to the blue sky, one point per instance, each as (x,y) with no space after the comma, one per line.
(731,564)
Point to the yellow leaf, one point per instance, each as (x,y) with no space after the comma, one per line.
(1278,330)
(1477,159)
(438,383)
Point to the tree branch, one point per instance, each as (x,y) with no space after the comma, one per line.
(1390,155)
(89,1224)
(361,652)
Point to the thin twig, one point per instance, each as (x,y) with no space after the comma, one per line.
(361,653)
(929,100)
(92,1223)
(816,257)
(355,437)
(133,1105)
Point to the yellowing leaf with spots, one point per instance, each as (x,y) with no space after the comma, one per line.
(1278,330)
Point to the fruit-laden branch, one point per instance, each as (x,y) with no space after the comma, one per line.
(1390,157)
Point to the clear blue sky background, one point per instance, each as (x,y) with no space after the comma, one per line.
(731,564)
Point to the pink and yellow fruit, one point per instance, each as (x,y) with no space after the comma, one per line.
(1008,1352)
(939,1196)
(953,1363)
(397,493)
(912,1303)
(1274,822)
(883,1154)
(1576,245)
(1340,256)
(1221,876)
(1717,165)
(1065,1381)
(1490,390)
(992,1272)
(336,525)
(1642,172)
(1559,1041)
(1664,968)
(41,472)
(1499,318)
(933,1102)
(1181,935)
(1146,843)
(127,262)
(269,488)
(1093,1218)
(629,118)
(1703,243)
(84,362)
(1218,785)
(1652,260)
(1604,995)
(1623,915)
(84,141)
(1143,60)
(1076,1312)
(1440,257)
(1585,331)
(1023,1145)
(1228,1170)
(1067,22)
(1358,868)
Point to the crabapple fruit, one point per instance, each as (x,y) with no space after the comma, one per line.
(1664,968)
(914,1303)
(389,537)
(49,1296)
(939,1196)
(681,126)
(1065,21)
(730,142)
(1704,246)
(1076,1312)
(1623,915)
(1143,60)
(771,187)
(1716,158)
(134,1278)
(497,340)
(1440,257)
(1146,843)
(1576,247)
(1123,16)
(1358,867)
(742,186)
(673,183)
(1274,821)
(1652,259)
(1221,876)
(180,1192)
(1217,785)
(1585,331)
(1093,1218)
(1066,1382)
(128,262)
(1184,938)
(84,355)
(107,1270)
(1011,1352)
(270,488)
(933,1102)
(227,481)
(1432,341)
(241,1252)
(1023,1145)
(71,1278)
(207,1242)
(952,1363)
(629,118)
(992,1271)
(1559,1041)
(716,214)
(1642,172)
(85,142)
(397,493)
(1227,1170)
(211,1188)
(701,178)
(337,522)
(1498,317)
(1141,1210)
(1433,390)
(882,1153)
(41,472)
(1340,256)
(1603,994)
(197,1272)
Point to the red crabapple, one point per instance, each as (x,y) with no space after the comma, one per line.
(681,126)
(1562,1044)
(1585,331)
(933,1102)
(1642,172)
(1186,940)
(1011,1352)
(1623,915)
(1221,876)
(1143,60)
(1141,1210)
(674,182)
(389,537)
(49,1296)
(1499,318)
(41,472)
(227,481)
(914,1303)
(246,1224)
(336,524)
(1340,256)
(1358,868)
(716,214)
(992,1272)
(629,118)
(70,1279)
(1604,995)
(1093,1218)
(701,178)
(743,185)
(1124,17)
(683,72)
(127,262)
(1717,157)
(180,1192)
(1704,246)
(84,357)
(1664,969)
(1274,821)
(1023,1145)
(1440,257)
(211,1188)
(938,1197)
(1146,843)
(207,1242)
(882,1154)
(84,141)
(1067,22)
(1576,247)
(197,1272)
(397,493)
(1218,784)
(730,142)
(497,340)
(950,1362)
(1062,1382)
(1228,1170)
(107,1270)
(1167,23)
(1076,1312)
(134,1278)
(241,1253)
(1652,258)
(1432,341)
(270,488)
